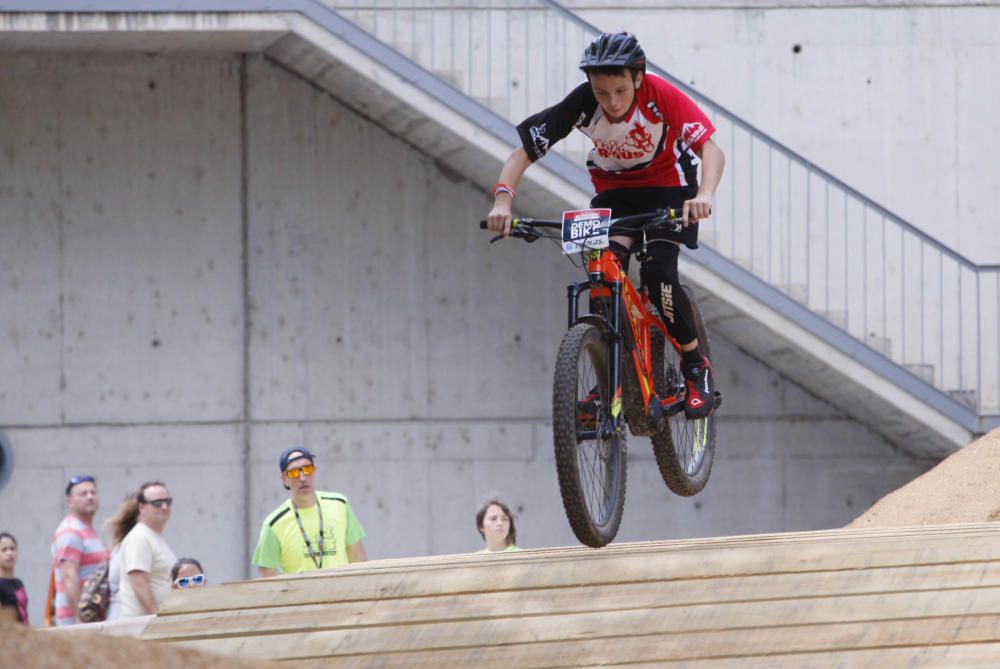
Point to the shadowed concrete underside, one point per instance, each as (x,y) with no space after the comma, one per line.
(914,597)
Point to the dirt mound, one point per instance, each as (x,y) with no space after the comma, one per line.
(963,488)
(28,649)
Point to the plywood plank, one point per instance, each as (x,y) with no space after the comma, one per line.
(753,645)
(597,567)
(609,597)
(970,656)
(673,622)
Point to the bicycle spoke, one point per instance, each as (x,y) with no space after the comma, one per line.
(592,456)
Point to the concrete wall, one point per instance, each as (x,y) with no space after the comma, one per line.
(886,96)
(204,260)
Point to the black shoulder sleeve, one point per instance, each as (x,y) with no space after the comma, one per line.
(277,517)
(540,131)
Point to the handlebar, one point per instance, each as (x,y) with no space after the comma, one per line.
(525,228)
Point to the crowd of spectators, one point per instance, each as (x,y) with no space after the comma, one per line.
(89,581)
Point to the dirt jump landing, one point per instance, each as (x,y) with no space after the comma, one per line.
(914,597)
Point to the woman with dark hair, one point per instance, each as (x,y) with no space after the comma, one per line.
(496,526)
(187,573)
(12,592)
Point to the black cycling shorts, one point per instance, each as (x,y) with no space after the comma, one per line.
(629,201)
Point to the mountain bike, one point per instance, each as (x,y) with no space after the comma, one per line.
(617,365)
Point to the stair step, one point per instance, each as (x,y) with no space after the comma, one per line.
(796,291)
(453,77)
(966,396)
(924,371)
(881,344)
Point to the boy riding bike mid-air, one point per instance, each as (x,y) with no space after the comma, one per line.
(649,139)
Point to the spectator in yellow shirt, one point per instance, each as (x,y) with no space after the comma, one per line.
(310,530)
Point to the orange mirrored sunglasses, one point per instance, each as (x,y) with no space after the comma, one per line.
(305,469)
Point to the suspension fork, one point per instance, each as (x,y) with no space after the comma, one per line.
(612,331)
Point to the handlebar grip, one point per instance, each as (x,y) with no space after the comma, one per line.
(513,223)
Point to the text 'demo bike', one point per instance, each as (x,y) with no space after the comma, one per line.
(617,365)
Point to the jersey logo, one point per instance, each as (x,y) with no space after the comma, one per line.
(692,132)
(640,138)
(637,143)
(651,106)
(539,139)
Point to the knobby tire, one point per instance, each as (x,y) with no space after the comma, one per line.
(685,450)
(591,471)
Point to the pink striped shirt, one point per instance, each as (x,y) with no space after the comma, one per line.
(75,541)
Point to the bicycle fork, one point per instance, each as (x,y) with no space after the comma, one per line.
(613,332)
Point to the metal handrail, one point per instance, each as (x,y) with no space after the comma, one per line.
(805,162)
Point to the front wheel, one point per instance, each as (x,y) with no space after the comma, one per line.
(685,450)
(590,455)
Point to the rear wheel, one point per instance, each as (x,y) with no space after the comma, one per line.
(590,457)
(685,450)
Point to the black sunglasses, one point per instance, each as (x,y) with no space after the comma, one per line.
(160,503)
(76,480)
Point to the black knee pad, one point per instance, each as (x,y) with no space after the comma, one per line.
(660,276)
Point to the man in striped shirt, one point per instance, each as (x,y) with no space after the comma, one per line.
(77,551)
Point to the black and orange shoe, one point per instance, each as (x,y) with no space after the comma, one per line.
(586,410)
(700,400)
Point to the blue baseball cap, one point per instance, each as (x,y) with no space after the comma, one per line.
(294,453)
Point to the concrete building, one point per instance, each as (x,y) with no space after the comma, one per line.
(207,256)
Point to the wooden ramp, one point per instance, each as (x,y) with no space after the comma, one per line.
(908,597)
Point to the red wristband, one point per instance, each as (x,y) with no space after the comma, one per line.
(503,188)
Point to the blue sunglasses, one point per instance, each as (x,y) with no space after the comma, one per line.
(190,581)
(76,480)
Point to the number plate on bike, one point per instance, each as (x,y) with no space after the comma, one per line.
(585,229)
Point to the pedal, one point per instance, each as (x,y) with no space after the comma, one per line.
(718,399)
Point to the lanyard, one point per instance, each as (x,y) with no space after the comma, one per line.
(317,557)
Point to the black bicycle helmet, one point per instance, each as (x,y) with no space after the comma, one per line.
(614,50)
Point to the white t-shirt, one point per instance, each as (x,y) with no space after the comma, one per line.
(145,550)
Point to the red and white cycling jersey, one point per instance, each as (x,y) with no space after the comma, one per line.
(656,144)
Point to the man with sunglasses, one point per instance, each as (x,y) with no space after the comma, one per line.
(310,530)
(146,558)
(77,551)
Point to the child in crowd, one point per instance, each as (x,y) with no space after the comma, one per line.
(12,592)
(187,573)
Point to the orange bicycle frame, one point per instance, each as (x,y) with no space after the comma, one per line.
(607,280)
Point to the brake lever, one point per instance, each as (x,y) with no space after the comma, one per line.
(526,232)
(523,231)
